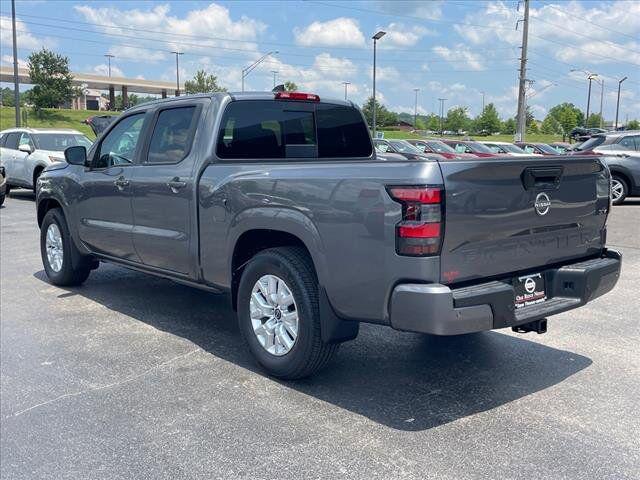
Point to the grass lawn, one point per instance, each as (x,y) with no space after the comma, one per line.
(52,118)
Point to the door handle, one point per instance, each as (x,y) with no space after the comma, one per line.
(121,183)
(176,184)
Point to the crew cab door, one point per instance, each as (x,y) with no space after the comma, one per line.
(164,190)
(104,210)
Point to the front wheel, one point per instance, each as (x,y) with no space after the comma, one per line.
(619,190)
(279,314)
(1,199)
(56,247)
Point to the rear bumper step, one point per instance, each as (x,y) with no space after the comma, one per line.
(439,310)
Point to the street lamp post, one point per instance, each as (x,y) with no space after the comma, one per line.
(415,110)
(375,38)
(441,100)
(109,57)
(275,74)
(618,101)
(590,77)
(247,70)
(346,84)
(177,54)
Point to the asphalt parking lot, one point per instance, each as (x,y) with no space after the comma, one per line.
(135,377)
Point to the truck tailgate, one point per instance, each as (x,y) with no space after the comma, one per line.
(507,215)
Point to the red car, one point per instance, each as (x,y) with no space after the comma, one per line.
(469,146)
(539,148)
(437,147)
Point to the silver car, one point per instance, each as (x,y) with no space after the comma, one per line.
(26,152)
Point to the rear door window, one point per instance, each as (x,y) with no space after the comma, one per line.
(632,142)
(263,129)
(172,135)
(12,140)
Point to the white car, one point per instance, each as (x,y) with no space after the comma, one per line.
(26,152)
(507,148)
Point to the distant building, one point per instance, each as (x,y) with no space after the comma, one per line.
(89,100)
(402,125)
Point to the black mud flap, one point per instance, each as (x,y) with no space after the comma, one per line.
(333,328)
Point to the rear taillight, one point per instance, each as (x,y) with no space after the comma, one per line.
(310,97)
(420,231)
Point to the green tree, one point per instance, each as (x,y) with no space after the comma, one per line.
(508,126)
(533,128)
(290,86)
(384,117)
(488,121)
(594,120)
(568,115)
(433,122)
(550,125)
(633,125)
(50,75)
(457,119)
(203,82)
(530,119)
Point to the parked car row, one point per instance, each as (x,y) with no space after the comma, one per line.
(621,151)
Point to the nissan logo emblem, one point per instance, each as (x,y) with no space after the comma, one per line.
(530,285)
(542,204)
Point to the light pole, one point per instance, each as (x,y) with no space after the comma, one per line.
(482,103)
(601,101)
(247,70)
(441,100)
(16,81)
(375,38)
(618,101)
(346,84)
(109,57)
(177,73)
(275,73)
(415,110)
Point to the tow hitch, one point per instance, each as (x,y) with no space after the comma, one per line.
(538,326)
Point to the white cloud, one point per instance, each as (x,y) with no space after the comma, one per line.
(25,39)
(460,56)
(9,59)
(337,32)
(136,54)
(400,35)
(103,69)
(200,30)
(562,31)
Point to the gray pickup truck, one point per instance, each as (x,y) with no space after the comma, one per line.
(279,200)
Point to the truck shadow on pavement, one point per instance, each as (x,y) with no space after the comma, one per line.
(405,381)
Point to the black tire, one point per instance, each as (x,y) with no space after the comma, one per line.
(1,199)
(36,175)
(68,275)
(7,189)
(625,189)
(309,353)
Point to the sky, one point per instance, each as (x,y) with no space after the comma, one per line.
(451,49)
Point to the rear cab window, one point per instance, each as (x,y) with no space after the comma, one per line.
(266,129)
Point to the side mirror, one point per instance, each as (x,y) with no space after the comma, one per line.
(25,147)
(76,155)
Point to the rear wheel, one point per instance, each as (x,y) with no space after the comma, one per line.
(57,248)
(279,314)
(619,189)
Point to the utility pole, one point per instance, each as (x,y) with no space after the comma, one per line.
(590,77)
(482,103)
(375,38)
(275,73)
(109,57)
(618,102)
(601,100)
(16,81)
(522,114)
(441,100)
(177,73)
(346,84)
(415,110)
